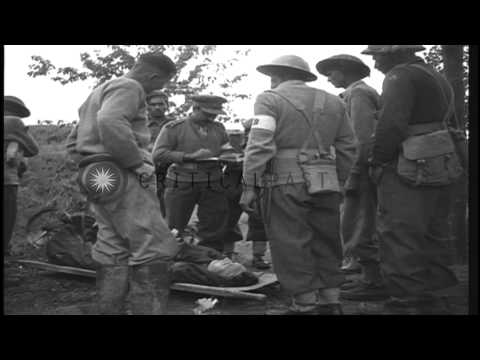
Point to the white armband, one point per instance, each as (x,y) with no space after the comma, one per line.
(264,122)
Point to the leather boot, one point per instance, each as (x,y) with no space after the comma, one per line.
(150,288)
(112,289)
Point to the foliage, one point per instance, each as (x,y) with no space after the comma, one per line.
(197,73)
(434,57)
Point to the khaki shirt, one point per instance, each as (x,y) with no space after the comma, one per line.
(155,126)
(113,120)
(362,106)
(184,136)
(289,130)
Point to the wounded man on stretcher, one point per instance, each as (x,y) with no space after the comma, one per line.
(70,245)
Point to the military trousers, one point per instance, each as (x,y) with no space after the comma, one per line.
(231,181)
(161,197)
(304,235)
(413,233)
(358,221)
(256,229)
(161,173)
(180,200)
(131,230)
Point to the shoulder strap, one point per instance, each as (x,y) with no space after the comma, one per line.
(450,104)
(318,105)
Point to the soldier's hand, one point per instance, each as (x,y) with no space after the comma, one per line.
(145,172)
(199,154)
(247,200)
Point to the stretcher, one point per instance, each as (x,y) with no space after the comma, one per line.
(244,292)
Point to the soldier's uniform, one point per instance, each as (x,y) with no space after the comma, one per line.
(303,229)
(412,220)
(129,148)
(134,244)
(155,124)
(358,218)
(194,183)
(233,180)
(17,145)
(360,204)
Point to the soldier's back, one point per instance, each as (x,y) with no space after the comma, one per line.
(292,128)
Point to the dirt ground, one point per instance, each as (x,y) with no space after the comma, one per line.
(30,291)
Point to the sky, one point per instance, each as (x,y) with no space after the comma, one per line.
(48,100)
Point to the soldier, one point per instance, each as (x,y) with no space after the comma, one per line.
(157,106)
(191,181)
(293,133)
(256,229)
(17,145)
(134,246)
(412,217)
(233,182)
(360,205)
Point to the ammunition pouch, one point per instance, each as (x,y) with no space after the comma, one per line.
(429,160)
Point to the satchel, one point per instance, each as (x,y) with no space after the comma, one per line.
(436,158)
(429,160)
(458,135)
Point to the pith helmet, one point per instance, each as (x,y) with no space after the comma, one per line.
(288,62)
(15,106)
(343,62)
(383,49)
